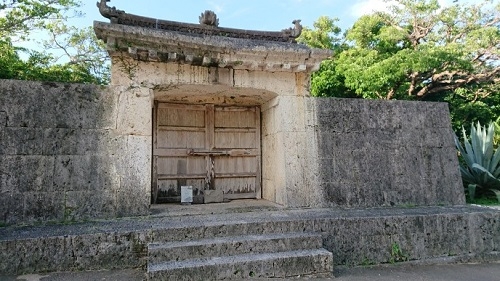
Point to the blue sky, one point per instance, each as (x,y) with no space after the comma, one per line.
(270,15)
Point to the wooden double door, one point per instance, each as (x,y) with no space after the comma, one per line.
(206,147)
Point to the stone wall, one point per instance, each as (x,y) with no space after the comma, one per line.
(385,153)
(72,152)
(355,237)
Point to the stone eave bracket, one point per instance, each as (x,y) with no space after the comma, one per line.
(146,44)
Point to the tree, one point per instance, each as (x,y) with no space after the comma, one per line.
(326,35)
(81,48)
(19,17)
(69,55)
(40,66)
(421,51)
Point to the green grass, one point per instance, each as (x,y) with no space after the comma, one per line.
(486,201)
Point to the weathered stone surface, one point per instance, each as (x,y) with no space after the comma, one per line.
(62,157)
(74,252)
(355,236)
(133,116)
(258,255)
(269,265)
(218,51)
(378,153)
(85,106)
(213,196)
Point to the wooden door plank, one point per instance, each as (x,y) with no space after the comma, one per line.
(170,152)
(236,130)
(235,108)
(177,176)
(236,175)
(181,106)
(258,145)
(154,181)
(209,126)
(180,128)
(172,139)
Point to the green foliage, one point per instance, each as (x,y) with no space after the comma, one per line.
(485,201)
(323,36)
(82,48)
(477,103)
(39,66)
(480,167)
(418,51)
(327,82)
(22,16)
(69,55)
(397,254)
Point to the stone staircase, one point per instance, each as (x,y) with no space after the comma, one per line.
(270,255)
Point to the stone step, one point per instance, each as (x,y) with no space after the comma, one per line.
(236,245)
(261,265)
(229,227)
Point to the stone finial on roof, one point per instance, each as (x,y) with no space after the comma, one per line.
(295,31)
(109,12)
(209,18)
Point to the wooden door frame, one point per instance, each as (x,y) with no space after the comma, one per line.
(210,140)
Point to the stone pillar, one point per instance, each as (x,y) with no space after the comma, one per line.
(133,165)
(288,148)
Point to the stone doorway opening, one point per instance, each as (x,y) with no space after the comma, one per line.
(213,148)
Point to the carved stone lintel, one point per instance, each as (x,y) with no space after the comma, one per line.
(209,18)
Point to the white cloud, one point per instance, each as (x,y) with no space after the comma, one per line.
(367,7)
(216,7)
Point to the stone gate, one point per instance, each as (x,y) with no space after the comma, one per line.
(222,110)
(227,112)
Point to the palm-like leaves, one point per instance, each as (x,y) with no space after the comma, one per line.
(481,167)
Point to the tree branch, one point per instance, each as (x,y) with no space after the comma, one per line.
(437,84)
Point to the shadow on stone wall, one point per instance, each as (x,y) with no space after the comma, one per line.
(60,156)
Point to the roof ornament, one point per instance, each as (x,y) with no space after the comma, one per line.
(109,12)
(209,25)
(295,31)
(209,18)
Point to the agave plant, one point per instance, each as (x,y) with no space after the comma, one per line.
(480,167)
(496,137)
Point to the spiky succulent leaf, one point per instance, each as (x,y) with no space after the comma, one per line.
(468,154)
(488,144)
(481,166)
(475,138)
(487,180)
